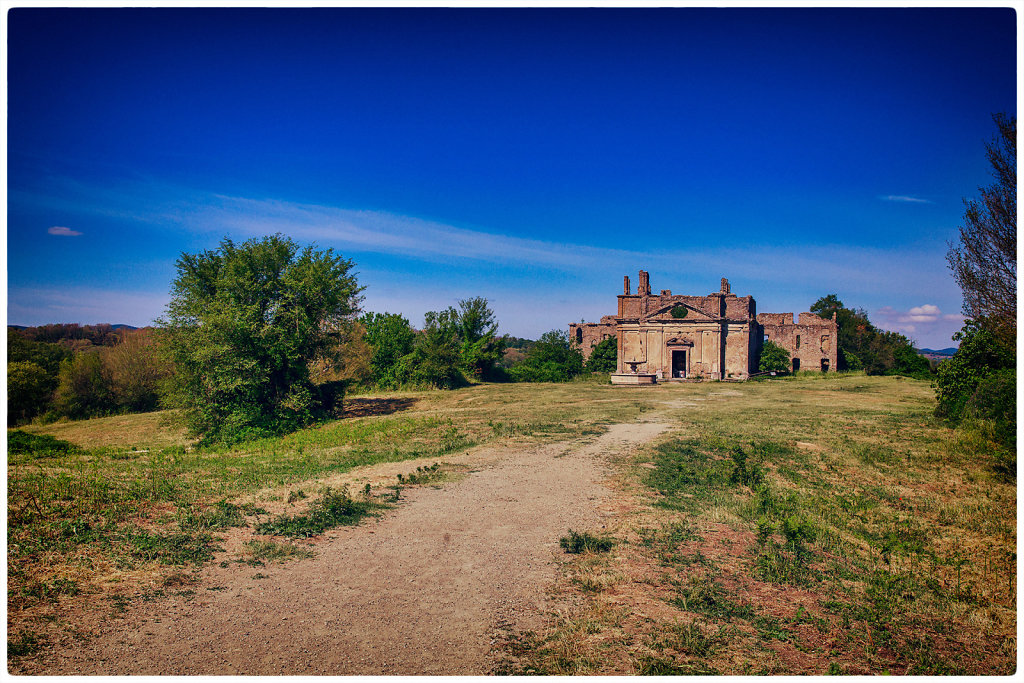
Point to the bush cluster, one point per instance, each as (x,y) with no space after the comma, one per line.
(979,385)
(554,358)
(454,346)
(862,346)
(70,377)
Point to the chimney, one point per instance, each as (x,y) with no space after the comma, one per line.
(625,285)
(725,286)
(644,287)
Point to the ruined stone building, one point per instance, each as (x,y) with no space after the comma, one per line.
(718,336)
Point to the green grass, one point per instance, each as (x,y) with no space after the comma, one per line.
(333,509)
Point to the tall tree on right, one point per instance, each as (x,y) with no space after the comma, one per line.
(977,387)
(984,263)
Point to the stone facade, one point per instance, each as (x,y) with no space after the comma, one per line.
(588,335)
(812,342)
(717,336)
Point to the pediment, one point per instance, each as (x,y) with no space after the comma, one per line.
(679,341)
(692,314)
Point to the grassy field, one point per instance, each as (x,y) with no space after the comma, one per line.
(803,526)
(809,525)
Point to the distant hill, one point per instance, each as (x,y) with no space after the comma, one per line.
(118,326)
(937,354)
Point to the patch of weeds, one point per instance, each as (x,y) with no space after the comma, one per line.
(422,475)
(585,542)
(220,515)
(120,602)
(875,455)
(47,590)
(685,467)
(744,472)
(690,638)
(261,576)
(334,508)
(452,440)
(24,644)
(926,662)
(178,549)
(770,628)
(659,666)
(703,595)
(802,616)
(276,552)
(666,540)
(293,496)
(178,579)
(788,563)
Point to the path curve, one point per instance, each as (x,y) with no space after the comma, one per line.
(422,591)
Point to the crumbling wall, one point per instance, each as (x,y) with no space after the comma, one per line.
(588,335)
(811,342)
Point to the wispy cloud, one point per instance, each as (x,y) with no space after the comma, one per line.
(822,266)
(905,198)
(63,232)
(574,279)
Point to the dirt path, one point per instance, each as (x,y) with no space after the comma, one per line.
(422,591)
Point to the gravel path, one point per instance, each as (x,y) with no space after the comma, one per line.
(424,590)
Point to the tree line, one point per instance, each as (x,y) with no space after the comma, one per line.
(261,338)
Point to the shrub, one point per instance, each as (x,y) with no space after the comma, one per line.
(28,390)
(604,357)
(84,388)
(390,337)
(578,543)
(774,358)
(136,371)
(980,354)
(552,359)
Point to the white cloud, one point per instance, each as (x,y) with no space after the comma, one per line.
(62,231)
(927,309)
(906,199)
(926,322)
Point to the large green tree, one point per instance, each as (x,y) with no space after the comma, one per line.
(480,347)
(244,325)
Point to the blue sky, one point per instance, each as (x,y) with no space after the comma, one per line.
(529,156)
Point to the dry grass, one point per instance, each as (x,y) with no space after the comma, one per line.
(867,541)
(92,529)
